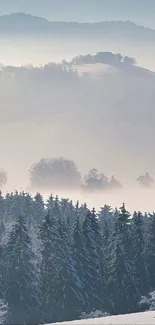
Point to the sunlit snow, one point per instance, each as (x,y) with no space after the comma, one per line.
(136,319)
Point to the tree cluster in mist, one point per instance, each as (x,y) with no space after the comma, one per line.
(62,173)
(146,181)
(52,80)
(61,262)
(110,58)
(29,90)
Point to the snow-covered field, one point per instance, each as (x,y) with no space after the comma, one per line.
(135,319)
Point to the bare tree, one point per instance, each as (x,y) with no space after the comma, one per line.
(114,183)
(57,173)
(95,180)
(3,178)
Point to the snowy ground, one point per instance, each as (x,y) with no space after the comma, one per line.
(135,319)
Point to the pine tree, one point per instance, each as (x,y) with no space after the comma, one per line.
(105,216)
(47,268)
(22,294)
(69,289)
(13,205)
(83,210)
(93,268)
(28,211)
(2,232)
(2,272)
(81,261)
(141,273)
(122,289)
(50,203)
(38,208)
(100,256)
(61,286)
(150,252)
(2,206)
(56,211)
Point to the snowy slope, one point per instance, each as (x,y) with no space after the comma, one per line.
(135,319)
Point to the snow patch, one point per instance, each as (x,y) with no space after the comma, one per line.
(129,319)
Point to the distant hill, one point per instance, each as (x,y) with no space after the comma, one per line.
(125,64)
(139,11)
(20,23)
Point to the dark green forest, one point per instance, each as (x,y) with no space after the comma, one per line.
(60,260)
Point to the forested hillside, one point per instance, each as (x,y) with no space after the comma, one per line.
(60,261)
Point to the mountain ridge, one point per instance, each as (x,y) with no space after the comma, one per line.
(26,22)
(139,11)
(39,18)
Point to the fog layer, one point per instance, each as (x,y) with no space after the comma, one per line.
(100,116)
(19,52)
(105,122)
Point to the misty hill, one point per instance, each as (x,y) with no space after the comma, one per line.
(105,60)
(20,23)
(108,116)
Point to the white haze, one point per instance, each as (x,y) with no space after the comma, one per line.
(17,51)
(108,125)
(26,142)
(135,199)
(103,129)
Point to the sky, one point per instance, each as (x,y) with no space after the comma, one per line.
(139,11)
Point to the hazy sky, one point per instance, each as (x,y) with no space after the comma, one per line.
(139,11)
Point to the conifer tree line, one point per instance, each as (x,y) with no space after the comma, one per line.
(59,260)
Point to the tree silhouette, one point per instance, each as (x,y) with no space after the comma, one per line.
(95,181)
(57,172)
(114,183)
(145,181)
